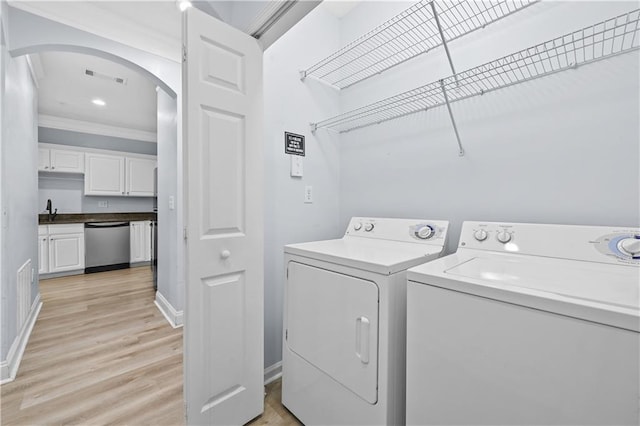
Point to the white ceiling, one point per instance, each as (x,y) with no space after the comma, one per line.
(66,91)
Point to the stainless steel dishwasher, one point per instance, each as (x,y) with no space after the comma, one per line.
(106,246)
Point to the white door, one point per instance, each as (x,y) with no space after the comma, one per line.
(147,240)
(104,174)
(67,161)
(222,121)
(66,252)
(140,177)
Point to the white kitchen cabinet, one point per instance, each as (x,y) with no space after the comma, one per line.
(44,161)
(60,160)
(104,174)
(116,175)
(139,177)
(61,248)
(140,241)
(43,249)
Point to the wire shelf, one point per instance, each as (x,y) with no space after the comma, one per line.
(411,33)
(603,40)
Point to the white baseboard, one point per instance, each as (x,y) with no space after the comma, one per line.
(9,367)
(174,317)
(273,372)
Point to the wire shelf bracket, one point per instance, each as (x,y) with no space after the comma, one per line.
(419,29)
(605,39)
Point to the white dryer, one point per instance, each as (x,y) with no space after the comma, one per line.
(527,324)
(344,320)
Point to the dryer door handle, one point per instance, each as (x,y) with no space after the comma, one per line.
(362,339)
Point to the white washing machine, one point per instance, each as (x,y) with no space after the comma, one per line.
(344,320)
(527,324)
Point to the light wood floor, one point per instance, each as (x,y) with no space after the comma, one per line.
(102,353)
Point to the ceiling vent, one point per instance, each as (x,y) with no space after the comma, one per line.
(118,80)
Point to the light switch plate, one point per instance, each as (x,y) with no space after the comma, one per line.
(296,165)
(308,194)
(172,203)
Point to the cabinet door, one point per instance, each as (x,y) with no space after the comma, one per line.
(140,177)
(66,252)
(43,159)
(67,161)
(136,241)
(104,175)
(43,254)
(147,240)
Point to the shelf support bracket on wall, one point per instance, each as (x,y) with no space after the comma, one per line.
(453,121)
(444,40)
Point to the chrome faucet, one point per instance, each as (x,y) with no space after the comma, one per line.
(51,215)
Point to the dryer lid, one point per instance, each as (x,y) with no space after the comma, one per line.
(379,256)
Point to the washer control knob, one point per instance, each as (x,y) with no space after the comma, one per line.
(480,235)
(630,246)
(504,237)
(357,226)
(368,227)
(424,232)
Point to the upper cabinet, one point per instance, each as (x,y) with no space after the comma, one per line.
(104,174)
(139,177)
(60,160)
(116,175)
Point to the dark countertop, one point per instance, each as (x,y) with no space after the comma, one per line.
(43,219)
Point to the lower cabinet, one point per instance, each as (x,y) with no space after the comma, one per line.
(61,248)
(140,241)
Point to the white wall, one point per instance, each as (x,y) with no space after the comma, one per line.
(562,149)
(289,105)
(19,181)
(170,242)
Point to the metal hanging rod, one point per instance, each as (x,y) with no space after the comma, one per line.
(422,27)
(603,40)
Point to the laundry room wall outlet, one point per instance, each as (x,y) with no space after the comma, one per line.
(308,194)
(103,204)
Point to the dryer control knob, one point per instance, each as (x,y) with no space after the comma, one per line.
(630,246)
(480,235)
(368,227)
(357,226)
(424,232)
(504,237)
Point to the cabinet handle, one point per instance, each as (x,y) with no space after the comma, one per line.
(127,192)
(46,167)
(122,192)
(53,167)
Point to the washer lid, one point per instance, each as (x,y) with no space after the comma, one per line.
(379,256)
(604,293)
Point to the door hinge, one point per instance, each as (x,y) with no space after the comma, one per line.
(287,272)
(184,233)
(286,334)
(184,53)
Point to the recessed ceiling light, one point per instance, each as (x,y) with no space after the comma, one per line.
(184,5)
(98,102)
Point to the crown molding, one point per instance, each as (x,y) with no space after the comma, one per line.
(91,18)
(61,123)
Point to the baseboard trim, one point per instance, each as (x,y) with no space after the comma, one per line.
(273,372)
(9,367)
(173,317)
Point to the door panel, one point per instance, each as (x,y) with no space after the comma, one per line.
(332,322)
(66,252)
(44,162)
(43,254)
(222,122)
(104,175)
(224,178)
(140,177)
(67,161)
